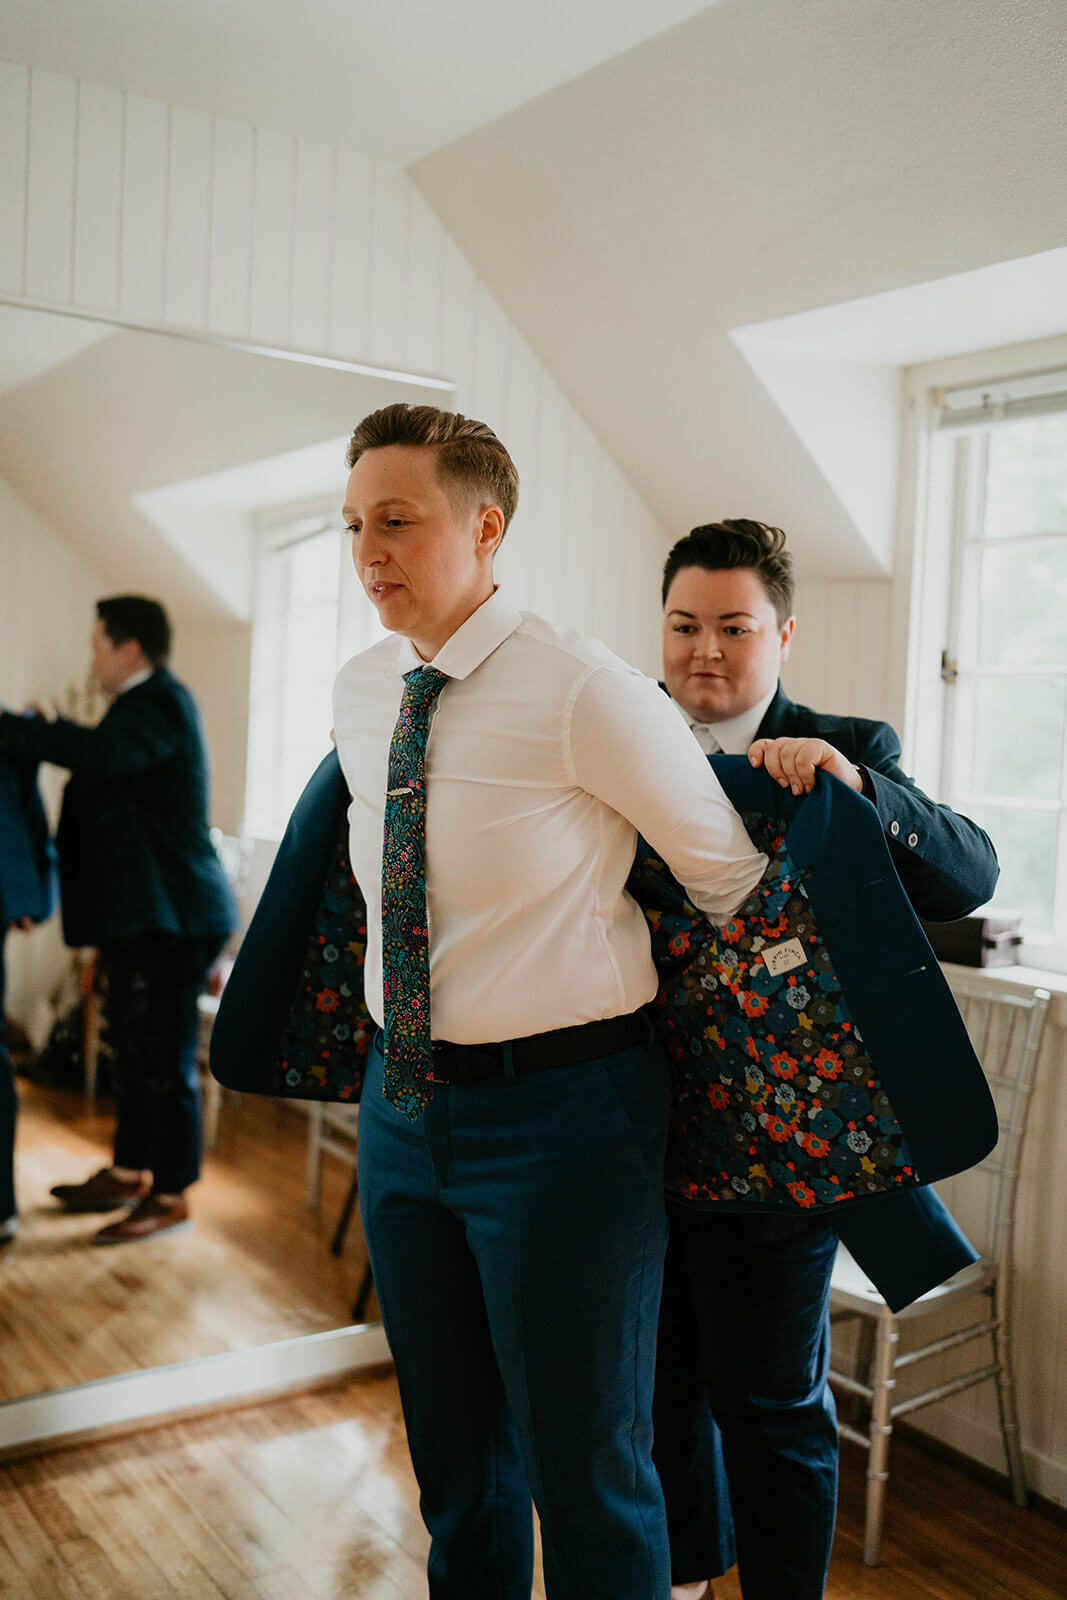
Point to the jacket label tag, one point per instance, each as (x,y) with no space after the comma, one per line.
(779,958)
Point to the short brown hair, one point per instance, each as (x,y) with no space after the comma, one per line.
(470,457)
(739,542)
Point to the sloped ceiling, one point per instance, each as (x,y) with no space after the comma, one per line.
(151,453)
(636,198)
(761,160)
(394,78)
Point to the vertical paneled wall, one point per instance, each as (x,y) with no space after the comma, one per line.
(128,207)
(840,658)
(47,592)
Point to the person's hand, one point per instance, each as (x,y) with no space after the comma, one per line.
(24,924)
(794,762)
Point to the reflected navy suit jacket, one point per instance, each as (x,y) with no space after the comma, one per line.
(26,857)
(820,1062)
(135,852)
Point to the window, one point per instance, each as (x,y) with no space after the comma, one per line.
(308,616)
(1003,448)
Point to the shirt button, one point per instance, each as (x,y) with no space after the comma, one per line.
(913,839)
(894,828)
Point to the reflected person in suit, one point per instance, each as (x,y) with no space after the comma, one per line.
(25,898)
(140,880)
(745,1427)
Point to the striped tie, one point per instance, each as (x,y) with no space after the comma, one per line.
(405,936)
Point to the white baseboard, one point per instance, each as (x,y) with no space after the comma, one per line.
(981,1442)
(165,1393)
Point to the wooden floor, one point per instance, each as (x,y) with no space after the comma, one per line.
(312,1498)
(255,1267)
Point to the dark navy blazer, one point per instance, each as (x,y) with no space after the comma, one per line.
(26,858)
(292,1019)
(946,863)
(135,853)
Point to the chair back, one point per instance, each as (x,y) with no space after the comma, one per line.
(1006,1031)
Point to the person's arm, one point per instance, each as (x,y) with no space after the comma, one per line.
(630,748)
(128,740)
(946,862)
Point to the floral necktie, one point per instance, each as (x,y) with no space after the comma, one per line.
(405,936)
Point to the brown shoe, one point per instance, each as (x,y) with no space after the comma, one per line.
(149,1216)
(102,1192)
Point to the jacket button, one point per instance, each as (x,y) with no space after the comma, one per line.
(913,839)
(894,828)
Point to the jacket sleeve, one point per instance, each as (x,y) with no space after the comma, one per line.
(126,741)
(27,864)
(946,863)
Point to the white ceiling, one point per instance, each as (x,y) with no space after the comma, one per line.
(762,160)
(756,161)
(151,453)
(395,78)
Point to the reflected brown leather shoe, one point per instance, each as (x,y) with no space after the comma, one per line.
(102,1192)
(149,1217)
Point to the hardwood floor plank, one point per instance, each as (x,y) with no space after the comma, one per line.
(312,1497)
(255,1268)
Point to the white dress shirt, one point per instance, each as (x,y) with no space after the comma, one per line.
(546,756)
(732,735)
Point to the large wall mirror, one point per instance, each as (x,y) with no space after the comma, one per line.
(209,476)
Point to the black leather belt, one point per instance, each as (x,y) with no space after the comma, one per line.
(563,1047)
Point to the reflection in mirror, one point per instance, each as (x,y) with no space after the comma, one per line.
(209,477)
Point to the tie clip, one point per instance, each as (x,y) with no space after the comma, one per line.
(391,794)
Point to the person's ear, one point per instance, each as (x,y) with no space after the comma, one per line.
(490,529)
(786,638)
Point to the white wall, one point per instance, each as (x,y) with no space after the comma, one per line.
(114,203)
(214,660)
(47,594)
(840,658)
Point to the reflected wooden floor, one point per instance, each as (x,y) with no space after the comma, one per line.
(313,1497)
(254,1268)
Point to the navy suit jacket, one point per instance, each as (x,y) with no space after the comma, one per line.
(26,858)
(899,1096)
(946,863)
(135,853)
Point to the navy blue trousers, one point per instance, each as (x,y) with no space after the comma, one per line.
(516,1232)
(153,984)
(746,1432)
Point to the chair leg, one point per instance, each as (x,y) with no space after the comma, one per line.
(881,1428)
(346,1215)
(859,1408)
(314,1161)
(359,1309)
(1009,1421)
(211,1095)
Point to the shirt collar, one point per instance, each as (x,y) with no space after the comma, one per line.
(134,679)
(472,643)
(734,734)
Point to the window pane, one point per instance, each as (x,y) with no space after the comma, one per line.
(1026,845)
(1016,737)
(1026,482)
(1022,606)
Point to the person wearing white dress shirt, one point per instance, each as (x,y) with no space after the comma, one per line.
(515,1220)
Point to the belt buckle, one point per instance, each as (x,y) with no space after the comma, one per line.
(435,1046)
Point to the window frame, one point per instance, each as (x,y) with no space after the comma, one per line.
(937,560)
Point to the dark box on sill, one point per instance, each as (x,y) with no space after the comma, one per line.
(989,940)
